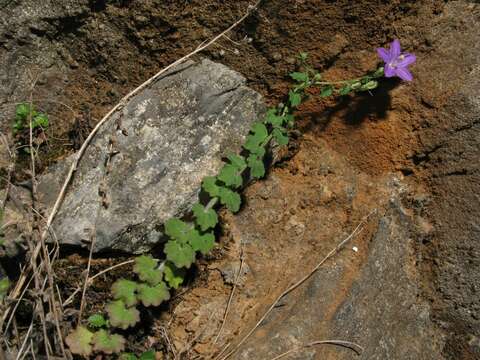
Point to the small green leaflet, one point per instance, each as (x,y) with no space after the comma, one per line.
(344,90)
(280,136)
(40,120)
(238,161)
(125,290)
(97,321)
(326,91)
(146,269)
(230,176)
(205,219)
(230,199)
(295,98)
(148,355)
(79,341)
(210,186)
(108,343)
(153,295)
(121,316)
(177,229)
(203,243)
(4,286)
(258,136)
(299,76)
(181,254)
(257,168)
(173,275)
(273,119)
(127,356)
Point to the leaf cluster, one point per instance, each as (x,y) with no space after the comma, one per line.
(23,113)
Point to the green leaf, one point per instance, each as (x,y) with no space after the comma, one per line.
(379,72)
(148,355)
(327,91)
(210,186)
(295,98)
(127,356)
(146,269)
(230,176)
(257,168)
(108,343)
(40,120)
(153,295)
(79,341)
(256,139)
(280,136)
(203,243)
(125,290)
(4,286)
(97,321)
(22,111)
(181,254)
(230,199)
(299,76)
(344,90)
(303,56)
(238,161)
(173,275)
(205,218)
(372,84)
(177,229)
(121,316)
(273,118)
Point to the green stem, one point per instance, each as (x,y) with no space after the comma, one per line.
(211,203)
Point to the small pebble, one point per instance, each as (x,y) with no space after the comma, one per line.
(355,249)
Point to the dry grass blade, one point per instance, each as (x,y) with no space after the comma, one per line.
(334,251)
(346,344)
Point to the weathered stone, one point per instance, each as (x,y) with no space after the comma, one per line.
(165,140)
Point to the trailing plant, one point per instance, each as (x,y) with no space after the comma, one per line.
(23,113)
(155,278)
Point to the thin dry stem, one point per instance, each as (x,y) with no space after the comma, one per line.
(346,344)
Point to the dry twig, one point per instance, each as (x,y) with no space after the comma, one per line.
(346,344)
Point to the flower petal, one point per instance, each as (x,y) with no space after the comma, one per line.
(395,49)
(406,59)
(389,71)
(384,54)
(404,74)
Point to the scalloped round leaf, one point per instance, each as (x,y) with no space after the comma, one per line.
(230,199)
(230,176)
(174,276)
(124,289)
(108,343)
(79,340)
(177,229)
(205,218)
(146,269)
(209,184)
(257,167)
(203,243)
(121,316)
(238,161)
(153,295)
(294,98)
(97,321)
(148,355)
(280,136)
(181,254)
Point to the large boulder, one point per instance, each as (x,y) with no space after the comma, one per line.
(163,142)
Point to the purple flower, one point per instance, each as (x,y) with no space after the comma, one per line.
(396,62)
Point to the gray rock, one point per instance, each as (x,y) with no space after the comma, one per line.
(166,139)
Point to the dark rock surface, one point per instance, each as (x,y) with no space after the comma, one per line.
(166,139)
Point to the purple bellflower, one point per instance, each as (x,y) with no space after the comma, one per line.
(396,62)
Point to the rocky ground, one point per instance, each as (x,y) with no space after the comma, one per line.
(410,152)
